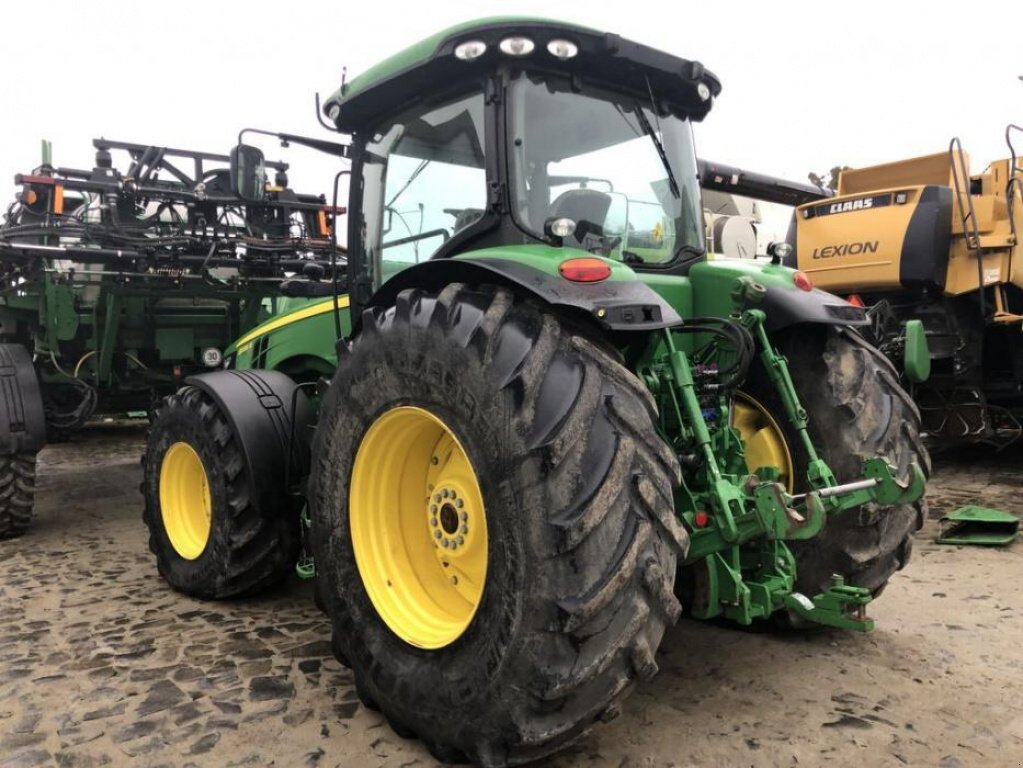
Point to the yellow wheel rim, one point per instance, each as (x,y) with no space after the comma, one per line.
(185,500)
(765,441)
(418,526)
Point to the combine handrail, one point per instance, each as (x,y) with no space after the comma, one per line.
(955,152)
(1015,176)
(1008,140)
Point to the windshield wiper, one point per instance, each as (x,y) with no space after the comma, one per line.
(649,131)
(415,175)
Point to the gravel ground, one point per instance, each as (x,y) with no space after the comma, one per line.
(101,664)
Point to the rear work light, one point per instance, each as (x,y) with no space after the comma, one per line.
(470,49)
(562,49)
(802,281)
(517,46)
(585,270)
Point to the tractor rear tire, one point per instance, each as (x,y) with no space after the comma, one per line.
(17,493)
(856,410)
(569,498)
(209,539)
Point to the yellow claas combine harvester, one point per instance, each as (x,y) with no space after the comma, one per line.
(932,250)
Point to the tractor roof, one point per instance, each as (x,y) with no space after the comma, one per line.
(432,65)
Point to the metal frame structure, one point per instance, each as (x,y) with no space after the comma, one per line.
(122,282)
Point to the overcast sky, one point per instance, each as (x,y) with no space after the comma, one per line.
(807,85)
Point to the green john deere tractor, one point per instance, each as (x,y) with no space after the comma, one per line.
(550,422)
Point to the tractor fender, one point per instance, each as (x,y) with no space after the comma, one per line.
(615,305)
(22,418)
(787,306)
(258,406)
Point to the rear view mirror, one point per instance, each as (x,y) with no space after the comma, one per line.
(248,173)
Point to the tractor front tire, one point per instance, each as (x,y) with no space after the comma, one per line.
(856,410)
(493,523)
(17,493)
(209,537)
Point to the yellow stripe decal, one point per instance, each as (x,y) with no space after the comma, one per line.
(291,317)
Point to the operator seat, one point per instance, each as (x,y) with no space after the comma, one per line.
(586,207)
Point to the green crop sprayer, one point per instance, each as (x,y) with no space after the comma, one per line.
(534,421)
(119,281)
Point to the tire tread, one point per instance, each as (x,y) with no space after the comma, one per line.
(17,493)
(610,528)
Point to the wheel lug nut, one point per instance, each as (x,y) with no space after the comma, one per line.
(434,461)
(437,497)
(465,529)
(460,540)
(459,503)
(436,534)
(465,516)
(433,508)
(433,522)
(446,544)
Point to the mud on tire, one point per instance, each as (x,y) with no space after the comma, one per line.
(582,534)
(246,551)
(17,493)
(856,410)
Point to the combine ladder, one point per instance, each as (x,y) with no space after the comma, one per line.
(967,216)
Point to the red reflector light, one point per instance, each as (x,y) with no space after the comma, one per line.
(700,519)
(855,300)
(802,281)
(585,270)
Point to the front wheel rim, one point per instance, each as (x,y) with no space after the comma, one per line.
(185,503)
(418,527)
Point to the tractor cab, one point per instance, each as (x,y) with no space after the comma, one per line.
(522,132)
